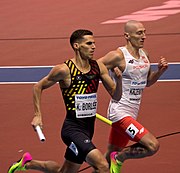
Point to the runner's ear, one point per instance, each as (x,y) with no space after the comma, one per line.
(126,35)
(76,46)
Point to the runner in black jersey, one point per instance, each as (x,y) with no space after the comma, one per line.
(81,102)
(78,79)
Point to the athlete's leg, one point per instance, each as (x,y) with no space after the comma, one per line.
(150,142)
(96,159)
(117,141)
(70,167)
(110,149)
(26,163)
(146,145)
(53,167)
(44,166)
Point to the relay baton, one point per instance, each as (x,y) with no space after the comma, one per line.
(40,134)
(105,120)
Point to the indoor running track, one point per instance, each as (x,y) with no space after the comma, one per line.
(34,37)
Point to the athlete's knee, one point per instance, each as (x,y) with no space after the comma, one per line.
(151,143)
(153,147)
(103,167)
(98,161)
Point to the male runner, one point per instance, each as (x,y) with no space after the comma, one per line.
(78,79)
(133,61)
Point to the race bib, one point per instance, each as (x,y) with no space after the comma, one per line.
(132,130)
(136,89)
(86,105)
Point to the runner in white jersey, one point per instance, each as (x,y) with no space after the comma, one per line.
(133,82)
(133,61)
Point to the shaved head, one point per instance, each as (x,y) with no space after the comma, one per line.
(134,32)
(131,26)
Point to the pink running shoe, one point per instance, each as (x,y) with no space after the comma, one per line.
(116,165)
(20,165)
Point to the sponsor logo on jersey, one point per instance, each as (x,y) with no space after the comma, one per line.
(73,148)
(78,77)
(87,141)
(131,61)
(90,76)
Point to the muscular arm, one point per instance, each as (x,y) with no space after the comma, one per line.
(57,73)
(153,76)
(113,59)
(114,89)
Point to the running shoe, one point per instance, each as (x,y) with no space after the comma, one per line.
(116,165)
(20,165)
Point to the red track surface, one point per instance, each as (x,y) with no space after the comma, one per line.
(50,19)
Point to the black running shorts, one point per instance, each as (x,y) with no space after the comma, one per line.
(78,146)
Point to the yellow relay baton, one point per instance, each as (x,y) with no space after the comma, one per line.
(105,120)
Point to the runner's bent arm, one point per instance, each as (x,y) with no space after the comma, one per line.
(57,73)
(112,59)
(114,89)
(153,76)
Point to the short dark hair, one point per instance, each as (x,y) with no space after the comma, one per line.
(78,35)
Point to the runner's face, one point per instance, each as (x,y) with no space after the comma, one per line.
(137,36)
(87,47)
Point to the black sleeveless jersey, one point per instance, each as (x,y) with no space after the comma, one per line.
(80,84)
